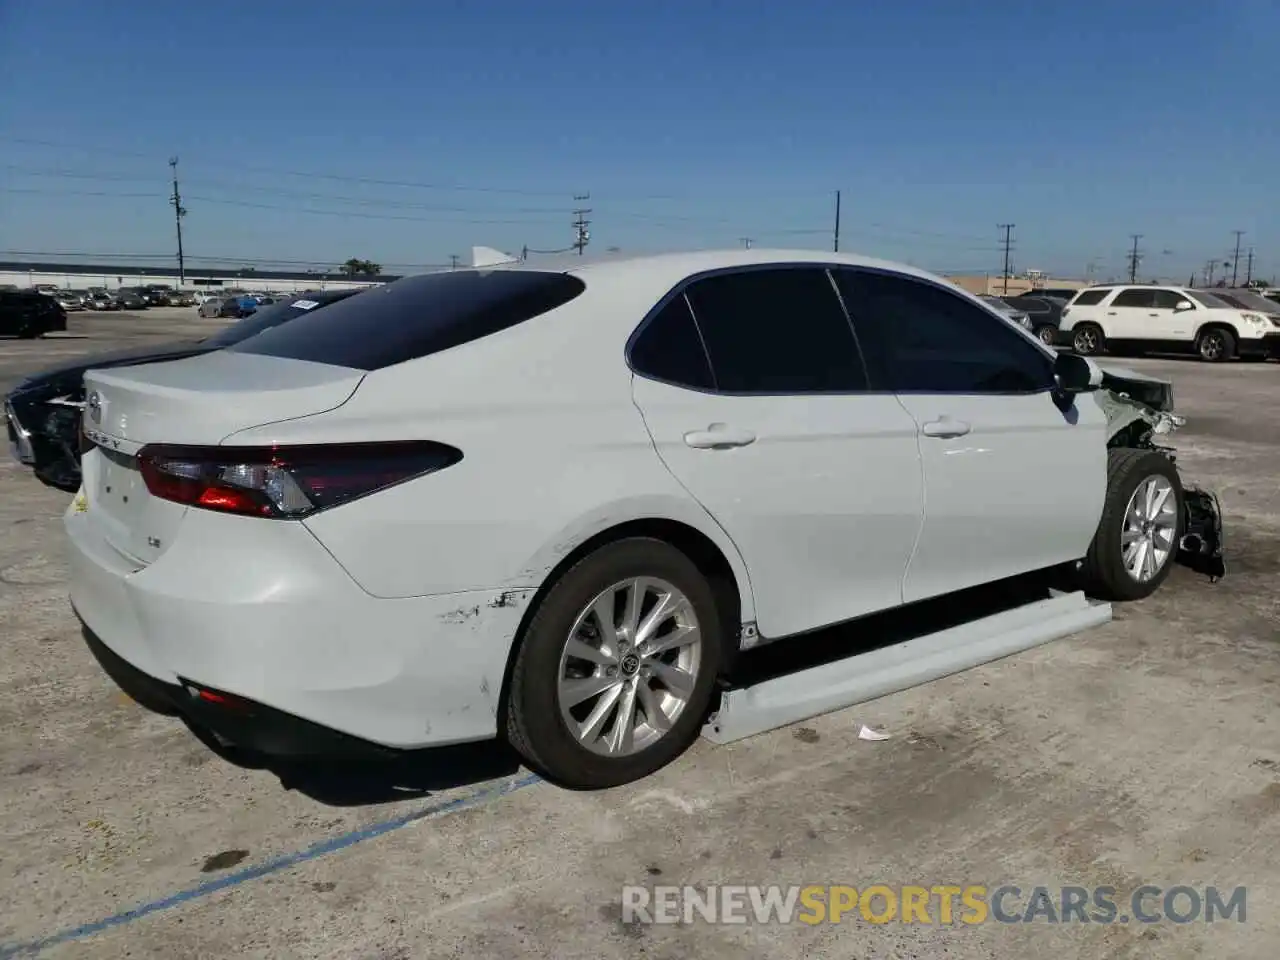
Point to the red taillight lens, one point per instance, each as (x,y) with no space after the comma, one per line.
(285,482)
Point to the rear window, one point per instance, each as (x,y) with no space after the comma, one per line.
(1087,298)
(268,317)
(415,317)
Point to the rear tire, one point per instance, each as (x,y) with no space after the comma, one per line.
(1047,334)
(1216,345)
(1134,547)
(1087,340)
(623,661)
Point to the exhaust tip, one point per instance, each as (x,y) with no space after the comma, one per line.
(1191,543)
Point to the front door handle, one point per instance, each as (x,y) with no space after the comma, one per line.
(717,436)
(945,427)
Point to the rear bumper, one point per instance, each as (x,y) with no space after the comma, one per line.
(248,725)
(259,610)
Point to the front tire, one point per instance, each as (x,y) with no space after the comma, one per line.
(1048,335)
(1216,345)
(616,670)
(1134,547)
(1087,340)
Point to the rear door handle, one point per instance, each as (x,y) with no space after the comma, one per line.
(945,427)
(1111,313)
(717,436)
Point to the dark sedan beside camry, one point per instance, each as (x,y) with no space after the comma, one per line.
(42,413)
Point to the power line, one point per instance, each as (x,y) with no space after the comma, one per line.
(1008,245)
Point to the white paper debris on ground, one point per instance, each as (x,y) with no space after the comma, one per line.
(866,733)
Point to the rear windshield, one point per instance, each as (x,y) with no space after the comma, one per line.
(414,317)
(268,317)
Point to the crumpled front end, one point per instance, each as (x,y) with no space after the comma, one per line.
(1139,410)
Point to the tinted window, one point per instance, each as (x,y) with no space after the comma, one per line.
(923,338)
(1208,300)
(1135,297)
(266,318)
(415,317)
(1089,297)
(669,348)
(1168,299)
(776,331)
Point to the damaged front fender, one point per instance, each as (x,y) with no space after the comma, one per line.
(1139,409)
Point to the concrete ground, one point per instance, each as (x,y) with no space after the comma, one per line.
(1144,752)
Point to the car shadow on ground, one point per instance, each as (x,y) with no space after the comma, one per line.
(356,783)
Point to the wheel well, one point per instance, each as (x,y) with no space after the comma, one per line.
(1217,325)
(694,544)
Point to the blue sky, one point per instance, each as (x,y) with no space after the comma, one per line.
(425,127)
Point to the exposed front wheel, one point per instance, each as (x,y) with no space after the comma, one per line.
(1087,339)
(617,667)
(1047,335)
(1137,538)
(1216,345)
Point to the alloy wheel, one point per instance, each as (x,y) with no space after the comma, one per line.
(1149,529)
(629,666)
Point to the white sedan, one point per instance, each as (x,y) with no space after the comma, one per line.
(549,502)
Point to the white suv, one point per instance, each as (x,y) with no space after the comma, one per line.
(1141,316)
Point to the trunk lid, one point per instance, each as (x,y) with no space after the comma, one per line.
(198,401)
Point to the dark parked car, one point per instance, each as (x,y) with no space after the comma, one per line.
(43,412)
(157,295)
(26,314)
(1061,293)
(1044,311)
(130,298)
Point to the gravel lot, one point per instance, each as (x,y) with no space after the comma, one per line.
(1147,751)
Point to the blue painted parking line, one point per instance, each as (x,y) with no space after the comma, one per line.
(478,798)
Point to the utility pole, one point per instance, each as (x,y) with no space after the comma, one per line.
(746,242)
(1208,272)
(1235,260)
(1248,271)
(453,261)
(581,234)
(179,211)
(1008,245)
(835,244)
(1134,258)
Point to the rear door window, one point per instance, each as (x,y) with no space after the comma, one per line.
(1135,297)
(669,348)
(415,317)
(777,331)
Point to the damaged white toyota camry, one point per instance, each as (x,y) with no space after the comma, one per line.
(550,502)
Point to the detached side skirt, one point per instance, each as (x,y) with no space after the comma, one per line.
(776,702)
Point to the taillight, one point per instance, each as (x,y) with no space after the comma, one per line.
(285,482)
